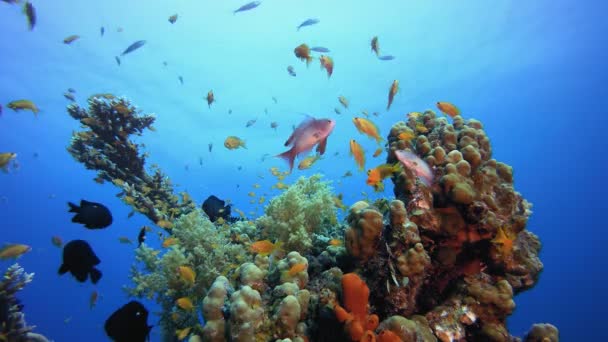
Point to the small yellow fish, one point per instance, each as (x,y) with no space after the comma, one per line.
(164,224)
(261,200)
(13,251)
(377,152)
(251,194)
(448,108)
(18,105)
(309,161)
(185,303)
(264,247)
(232,142)
(391,93)
(357,152)
(5,159)
(421,128)
(256,186)
(168,242)
(280,186)
(297,268)
(187,274)
(376,176)
(182,333)
(240,212)
(407,135)
(335,242)
(338,202)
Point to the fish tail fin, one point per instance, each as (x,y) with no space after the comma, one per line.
(289,156)
(95,275)
(74,208)
(63,269)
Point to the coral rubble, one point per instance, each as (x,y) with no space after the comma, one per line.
(13,327)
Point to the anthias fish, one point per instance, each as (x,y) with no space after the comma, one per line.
(418,166)
(308,22)
(309,133)
(133,47)
(320,49)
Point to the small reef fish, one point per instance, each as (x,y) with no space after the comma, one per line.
(338,201)
(274,99)
(80,260)
(335,242)
(0,110)
(185,303)
(119,29)
(418,166)
(182,333)
(347,174)
(291,71)
(309,161)
(251,194)
(308,22)
(302,51)
(210,98)
(250,123)
(448,108)
(129,323)
(391,93)
(164,224)
(320,49)
(181,80)
(187,274)
(247,7)
(70,39)
(117,60)
(377,152)
(407,135)
(173,18)
(297,268)
(18,105)
(30,14)
(125,240)
(375,45)
(69,96)
(264,247)
(5,159)
(421,128)
(138,44)
(102,30)
(93,299)
(343,101)
(309,133)
(92,215)
(386,58)
(216,208)
(274,125)
(280,186)
(13,251)
(357,152)
(337,111)
(170,241)
(57,241)
(232,142)
(210,147)
(376,176)
(368,128)
(141,237)
(328,64)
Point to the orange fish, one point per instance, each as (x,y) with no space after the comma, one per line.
(297,268)
(185,303)
(357,151)
(335,242)
(391,93)
(13,251)
(407,135)
(170,242)
(378,152)
(448,108)
(187,274)
(303,53)
(57,241)
(368,128)
(264,247)
(328,64)
(210,98)
(376,176)
(375,45)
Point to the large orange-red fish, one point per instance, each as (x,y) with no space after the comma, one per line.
(391,93)
(308,134)
(302,51)
(328,64)
(448,108)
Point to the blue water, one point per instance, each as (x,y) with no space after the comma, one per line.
(533,72)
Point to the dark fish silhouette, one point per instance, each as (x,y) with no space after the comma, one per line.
(320,49)
(117,60)
(134,47)
(129,323)
(291,71)
(30,13)
(386,58)
(247,7)
(216,208)
(142,236)
(79,259)
(210,147)
(102,30)
(181,79)
(173,19)
(92,215)
(308,22)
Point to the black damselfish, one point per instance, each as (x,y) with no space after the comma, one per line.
(129,323)
(92,215)
(79,259)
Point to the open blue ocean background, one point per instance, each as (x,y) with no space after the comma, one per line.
(534,72)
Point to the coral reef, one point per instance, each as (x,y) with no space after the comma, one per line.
(105,146)
(13,327)
(304,209)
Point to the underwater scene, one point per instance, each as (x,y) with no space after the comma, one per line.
(277,170)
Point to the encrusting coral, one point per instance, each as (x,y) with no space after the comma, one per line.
(13,327)
(443,261)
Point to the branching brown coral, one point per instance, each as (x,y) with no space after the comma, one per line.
(106,146)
